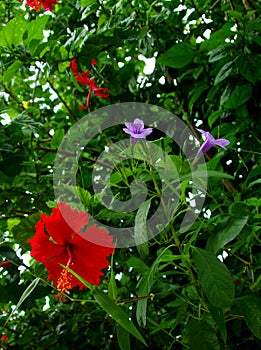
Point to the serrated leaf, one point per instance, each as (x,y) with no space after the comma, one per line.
(214,277)
(117,313)
(250,306)
(177,56)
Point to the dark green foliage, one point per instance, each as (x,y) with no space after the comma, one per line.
(198,289)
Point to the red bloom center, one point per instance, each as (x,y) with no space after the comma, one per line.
(56,243)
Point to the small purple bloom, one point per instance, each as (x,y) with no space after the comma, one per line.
(210,141)
(136,130)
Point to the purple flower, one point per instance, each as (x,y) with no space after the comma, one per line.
(210,141)
(136,130)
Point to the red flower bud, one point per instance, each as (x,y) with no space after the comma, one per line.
(6,263)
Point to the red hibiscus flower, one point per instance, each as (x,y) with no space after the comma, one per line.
(55,243)
(3,340)
(37,4)
(84,78)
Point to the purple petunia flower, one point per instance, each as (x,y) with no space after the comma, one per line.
(210,141)
(136,130)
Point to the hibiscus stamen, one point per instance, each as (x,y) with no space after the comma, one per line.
(64,283)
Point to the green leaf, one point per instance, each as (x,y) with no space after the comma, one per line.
(224,72)
(197,93)
(229,228)
(11,71)
(24,230)
(214,278)
(247,69)
(250,306)
(87,284)
(35,32)
(57,138)
(255,286)
(213,117)
(86,3)
(239,96)
(24,296)
(219,53)
(177,56)
(218,37)
(144,286)
(12,34)
(112,287)
(117,313)
(201,336)
(140,229)
(123,338)
(256,182)
(8,253)
(200,174)
(219,318)
(137,264)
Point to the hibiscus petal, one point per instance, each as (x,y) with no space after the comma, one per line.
(65,219)
(43,249)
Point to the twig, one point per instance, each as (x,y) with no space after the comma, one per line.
(63,101)
(9,92)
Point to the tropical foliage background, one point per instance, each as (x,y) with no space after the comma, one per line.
(200,60)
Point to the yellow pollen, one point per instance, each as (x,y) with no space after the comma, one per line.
(64,282)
